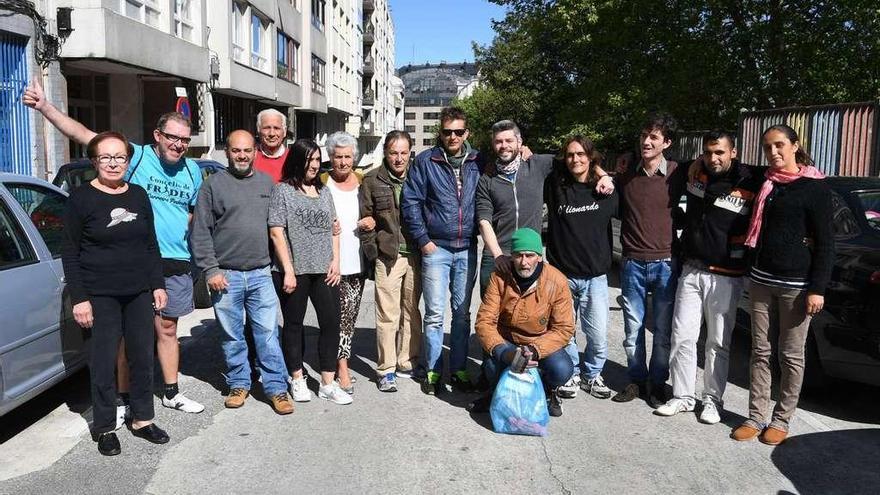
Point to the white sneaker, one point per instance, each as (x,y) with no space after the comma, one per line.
(673,407)
(299,389)
(570,389)
(710,414)
(334,394)
(123,413)
(182,403)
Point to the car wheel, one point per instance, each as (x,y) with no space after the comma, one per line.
(201,295)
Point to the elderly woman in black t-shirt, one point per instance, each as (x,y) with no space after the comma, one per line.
(114,276)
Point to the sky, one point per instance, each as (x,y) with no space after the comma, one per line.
(436,30)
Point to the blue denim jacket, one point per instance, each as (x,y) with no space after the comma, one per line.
(431,205)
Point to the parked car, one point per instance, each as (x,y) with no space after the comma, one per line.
(74,174)
(40,343)
(844,339)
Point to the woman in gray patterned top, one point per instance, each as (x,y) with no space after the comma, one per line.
(301,218)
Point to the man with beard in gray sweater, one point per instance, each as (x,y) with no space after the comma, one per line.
(230,243)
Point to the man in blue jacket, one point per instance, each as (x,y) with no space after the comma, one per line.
(438,206)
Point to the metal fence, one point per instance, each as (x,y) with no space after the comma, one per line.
(15,138)
(843,139)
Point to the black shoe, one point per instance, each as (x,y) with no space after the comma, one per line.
(151,433)
(481,404)
(108,444)
(658,395)
(630,392)
(554,406)
(459,384)
(429,388)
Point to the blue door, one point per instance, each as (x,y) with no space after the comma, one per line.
(15,138)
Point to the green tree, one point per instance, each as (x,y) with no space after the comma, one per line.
(598,67)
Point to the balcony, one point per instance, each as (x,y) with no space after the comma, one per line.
(369,129)
(369,67)
(369,6)
(369,98)
(369,35)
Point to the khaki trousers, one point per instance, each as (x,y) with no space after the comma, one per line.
(789,307)
(398,319)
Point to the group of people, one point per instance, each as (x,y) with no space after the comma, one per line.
(273,232)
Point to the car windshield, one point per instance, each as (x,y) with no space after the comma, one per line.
(870,201)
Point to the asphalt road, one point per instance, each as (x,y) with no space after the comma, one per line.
(411,443)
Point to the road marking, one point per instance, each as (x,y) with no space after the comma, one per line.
(41,444)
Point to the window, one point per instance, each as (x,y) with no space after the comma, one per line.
(251,37)
(45,208)
(870,201)
(428,128)
(317,75)
(88,102)
(318,14)
(146,11)
(428,142)
(409,116)
(15,250)
(431,115)
(183,19)
(259,43)
(288,58)
(239,31)
(409,128)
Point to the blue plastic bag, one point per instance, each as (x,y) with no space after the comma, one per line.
(519,405)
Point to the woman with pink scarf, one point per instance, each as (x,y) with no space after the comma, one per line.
(792,257)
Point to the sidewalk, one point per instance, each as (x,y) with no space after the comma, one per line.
(407,442)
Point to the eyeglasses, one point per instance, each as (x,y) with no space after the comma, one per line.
(107,159)
(176,139)
(449,132)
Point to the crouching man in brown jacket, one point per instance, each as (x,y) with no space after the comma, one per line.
(526,320)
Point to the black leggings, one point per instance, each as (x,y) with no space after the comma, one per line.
(325,299)
(115,317)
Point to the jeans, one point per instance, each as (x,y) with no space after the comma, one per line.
(250,295)
(702,294)
(637,278)
(555,369)
(457,271)
(591,308)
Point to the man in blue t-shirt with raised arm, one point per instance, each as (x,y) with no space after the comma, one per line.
(172,183)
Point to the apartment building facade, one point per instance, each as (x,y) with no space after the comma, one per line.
(123,63)
(429,88)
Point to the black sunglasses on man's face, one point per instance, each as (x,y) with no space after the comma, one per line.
(449,132)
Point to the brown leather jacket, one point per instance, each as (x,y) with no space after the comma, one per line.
(542,317)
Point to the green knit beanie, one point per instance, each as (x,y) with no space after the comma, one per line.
(526,239)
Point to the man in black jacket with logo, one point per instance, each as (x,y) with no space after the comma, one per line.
(719,201)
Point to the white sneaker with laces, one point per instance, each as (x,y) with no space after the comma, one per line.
(334,394)
(299,389)
(673,407)
(123,413)
(710,414)
(570,389)
(182,403)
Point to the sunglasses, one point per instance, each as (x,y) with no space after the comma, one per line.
(449,132)
(175,139)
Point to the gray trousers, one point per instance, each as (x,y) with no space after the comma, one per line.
(702,294)
(789,306)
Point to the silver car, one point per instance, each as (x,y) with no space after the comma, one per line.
(40,343)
